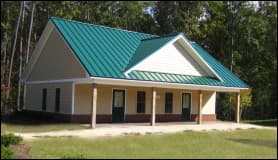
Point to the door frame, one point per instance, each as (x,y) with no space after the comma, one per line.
(190,103)
(112,100)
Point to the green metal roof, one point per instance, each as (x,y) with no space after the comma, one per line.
(147,47)
(229,79)
(108,52)
(103,51)
(173,78)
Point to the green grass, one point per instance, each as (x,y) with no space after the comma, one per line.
(252,143)
(9,128)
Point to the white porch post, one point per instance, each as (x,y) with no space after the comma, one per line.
(237,106)
(94,105)
(153,106)
(200,105)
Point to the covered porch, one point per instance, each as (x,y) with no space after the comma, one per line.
(103,98)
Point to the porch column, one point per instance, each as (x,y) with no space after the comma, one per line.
(94,106)
(153,106)
(200,105)
(237,105)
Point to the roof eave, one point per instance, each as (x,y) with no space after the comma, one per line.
(140,83)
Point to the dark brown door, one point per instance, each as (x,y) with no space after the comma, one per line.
(118,108)
(186,106)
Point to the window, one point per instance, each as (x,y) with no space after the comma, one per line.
(57,100)
(44,94)
(186,100)
(118,98)
(168,102)
(141,101)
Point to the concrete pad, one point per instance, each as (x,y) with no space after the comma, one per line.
(111,129)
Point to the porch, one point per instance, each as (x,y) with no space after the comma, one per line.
(96,103)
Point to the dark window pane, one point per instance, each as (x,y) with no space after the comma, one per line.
(141,97)
(168,102)
(57,100)
(44,94)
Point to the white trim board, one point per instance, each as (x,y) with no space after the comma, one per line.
(75,80)
(136,83)
(125,82)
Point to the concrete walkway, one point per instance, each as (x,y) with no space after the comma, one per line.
(106,130)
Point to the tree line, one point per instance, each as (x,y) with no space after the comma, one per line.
(241,35)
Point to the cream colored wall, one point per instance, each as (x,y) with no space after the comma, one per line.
(208,102)
(34,97)
(160,101)
(82,101)
(195,101)
(172,58)
(104,100)
(56,61)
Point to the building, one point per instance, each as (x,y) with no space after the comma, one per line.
(91,73)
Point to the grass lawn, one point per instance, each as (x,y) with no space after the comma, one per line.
(252,143)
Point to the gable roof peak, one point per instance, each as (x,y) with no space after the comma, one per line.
(95,45)
(97,25)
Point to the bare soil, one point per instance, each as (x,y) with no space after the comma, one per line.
(21,151)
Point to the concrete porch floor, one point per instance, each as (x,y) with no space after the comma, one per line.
(118,129)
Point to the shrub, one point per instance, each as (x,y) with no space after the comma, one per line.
(6,153)
(10,138)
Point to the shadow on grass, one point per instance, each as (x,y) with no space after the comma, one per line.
(31,118)
(266,143)
(267,122)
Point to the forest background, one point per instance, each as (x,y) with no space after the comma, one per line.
(241,35)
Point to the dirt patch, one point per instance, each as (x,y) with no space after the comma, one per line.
(53,136)
(21,151)
(132,134)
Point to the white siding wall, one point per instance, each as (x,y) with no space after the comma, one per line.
(171,59)
(34,97)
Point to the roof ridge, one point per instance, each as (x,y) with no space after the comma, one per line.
(97,25)
(168,35)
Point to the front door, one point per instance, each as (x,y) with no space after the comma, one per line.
(118,105)
(186,106)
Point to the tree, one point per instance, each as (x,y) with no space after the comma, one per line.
(13,51)
(30,32)
(20,58)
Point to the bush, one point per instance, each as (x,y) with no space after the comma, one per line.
(10,138)
(6,153)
